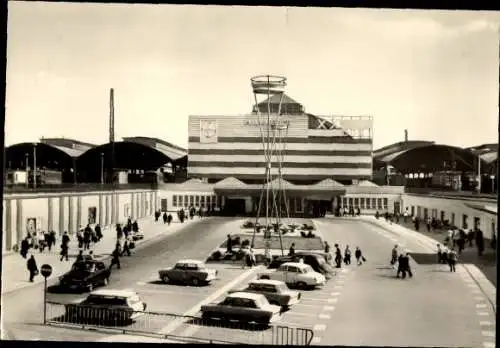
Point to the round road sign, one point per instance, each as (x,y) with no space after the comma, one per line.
(46,270)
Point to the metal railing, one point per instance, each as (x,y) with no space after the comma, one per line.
(167,325)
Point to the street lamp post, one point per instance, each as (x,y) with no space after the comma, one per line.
(102,168)
(26,164)
(34,165)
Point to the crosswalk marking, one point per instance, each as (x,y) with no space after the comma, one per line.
(324,316)
(319,327)
(488,333)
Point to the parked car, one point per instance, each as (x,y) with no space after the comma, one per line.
(106,306)
(245,307)
(296,274)
(276,292)
(192,272)
(316,260)
(85,275)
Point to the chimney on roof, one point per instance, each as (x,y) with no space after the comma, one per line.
(406,135)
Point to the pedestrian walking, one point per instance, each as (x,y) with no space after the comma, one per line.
(116,258)
(394,255)
(479,242)
(25,245)
(164,217)
(229,244)
(32,268)
(169,219)
(359,256)
(347,255)
(452,259)
(404,266)
(327,247)
(291,251)
(126,247)
(338,256)
(52,241)
(439,253)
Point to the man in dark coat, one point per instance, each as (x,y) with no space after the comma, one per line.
(291,252)
(116,257)
(98,232)
(165,218)
(52,239)
(169,219)
(338,256)
(65,246)
(32,267)
(404,266)
(25,245)
(479,242)
(229,244)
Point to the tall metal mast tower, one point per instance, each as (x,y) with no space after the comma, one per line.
(272,129)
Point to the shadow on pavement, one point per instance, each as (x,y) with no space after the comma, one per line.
(172,283)
(226,324)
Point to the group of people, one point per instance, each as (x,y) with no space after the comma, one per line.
(346,256)
(402,259)
(37,241)
(182,214)
(86,238)
(447,256)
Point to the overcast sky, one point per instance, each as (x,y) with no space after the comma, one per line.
(434,73)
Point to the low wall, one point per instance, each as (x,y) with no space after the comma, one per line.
(454,210)
(67,211)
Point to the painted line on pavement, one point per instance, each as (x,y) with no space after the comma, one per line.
(328,308)
(316,340)
(302,314)
(488,333)
(482,314)
(335,293)
(489,345)
(195,309)
(481,305)
(319,327)
(166,292)
(485,323)
(324,316)
(332,300)
(304,305)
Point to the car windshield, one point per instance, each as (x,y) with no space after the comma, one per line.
(83,267)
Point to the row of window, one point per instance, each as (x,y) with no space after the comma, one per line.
(365,203)
(423,212)
(185,201)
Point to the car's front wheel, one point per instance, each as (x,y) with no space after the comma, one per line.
(302,285)
(195,281)
(165,278)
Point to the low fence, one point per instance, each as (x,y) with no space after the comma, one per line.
(167,325)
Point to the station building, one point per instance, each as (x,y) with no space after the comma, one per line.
(324,157)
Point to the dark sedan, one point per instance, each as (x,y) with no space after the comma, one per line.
(85,276)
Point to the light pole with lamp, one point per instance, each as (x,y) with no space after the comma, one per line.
(26,165)
(102,168)
(34,165)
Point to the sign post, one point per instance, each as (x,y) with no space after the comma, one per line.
(46,271)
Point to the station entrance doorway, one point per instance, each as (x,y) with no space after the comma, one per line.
(234,207)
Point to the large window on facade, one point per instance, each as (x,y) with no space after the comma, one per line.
(368,205)
(181,201)
(344,202)
(191,200)
(197,201)
(386,204)
(465,224)
(374,203)
(379,203)
(209,202)
(174,200)
(362,203)
(356,202)
(202,201)
(214,200)
(350,202)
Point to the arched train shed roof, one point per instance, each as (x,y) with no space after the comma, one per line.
(47,156)
(127,155)
(433,158)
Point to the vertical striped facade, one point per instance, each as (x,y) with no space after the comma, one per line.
(224,146)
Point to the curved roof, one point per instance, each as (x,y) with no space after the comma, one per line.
(384,154)
(48,156)
(127,155)
(433,158)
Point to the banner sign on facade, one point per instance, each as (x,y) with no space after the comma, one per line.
(208,131)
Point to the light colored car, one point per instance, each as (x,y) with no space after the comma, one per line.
(108,305)
(245,307)
(296,274)
(192,272)
(275,291)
